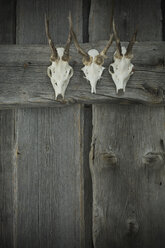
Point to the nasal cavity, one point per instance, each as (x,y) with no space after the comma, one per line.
(120,92)
(59,97)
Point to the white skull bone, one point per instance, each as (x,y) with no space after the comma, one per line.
(93,60)
(121,70)
(93,71)
(60,73)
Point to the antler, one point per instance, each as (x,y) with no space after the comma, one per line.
(103,53)
(118,44)
(54,55)
(131,43)
(100,58)
(65,57)
(86,57)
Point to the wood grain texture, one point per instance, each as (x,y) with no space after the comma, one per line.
(128,182)
(49,177)
(30,20)
(144,15)
(100,17)
(27,83)
(7,190)
(126,18)
(51,205)
(7,142)
(163,19)
(87,139)
(127,161)
(7,21)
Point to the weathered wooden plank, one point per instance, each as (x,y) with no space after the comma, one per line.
(61,162)
(163,19)
(127,165)
(144,15)
(54,185)
(7,142)
(49,177)
(30,19)
(7,21)
(149,19)
(149,53)
(27,84)
(122,135)
(27,179)
(7,187)
(87,139)
(100,17)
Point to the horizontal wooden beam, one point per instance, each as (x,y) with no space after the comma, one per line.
(24,80)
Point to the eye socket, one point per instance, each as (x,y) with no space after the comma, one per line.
(49,71)
(70,72)
(133,69)
(111,69)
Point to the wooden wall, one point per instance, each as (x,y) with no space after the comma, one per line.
(128,185)
(44,151)
(46,197)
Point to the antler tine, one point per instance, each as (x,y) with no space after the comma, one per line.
(103,53)
(65,57)
(118,44)
(131,44)
(79,49)
(54,55)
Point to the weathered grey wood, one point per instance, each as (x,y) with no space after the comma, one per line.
(129,196)
(49,177)
(144,15)
(148,19)
(7,142)
(163,19)
(87,176)
(30,20)
(7,21)
(27,179)
(125,190)
(53,176)
(100,17)
(86,10)
(26,82)
(7,187)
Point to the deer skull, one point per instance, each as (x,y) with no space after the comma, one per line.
(59,71)
(93,71)
(122,68)
(93,60)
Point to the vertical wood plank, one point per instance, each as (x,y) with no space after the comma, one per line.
(87,176)
(163,18)
(100,20)
(51,206)
(127,164)
(124,212)
(7,141)
(60,177)
(28,179)
(128,15)
(30,20)
(7,21)
(7,154)
(49,177)
(145,15)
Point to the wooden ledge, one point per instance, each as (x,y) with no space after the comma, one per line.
(24,80)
